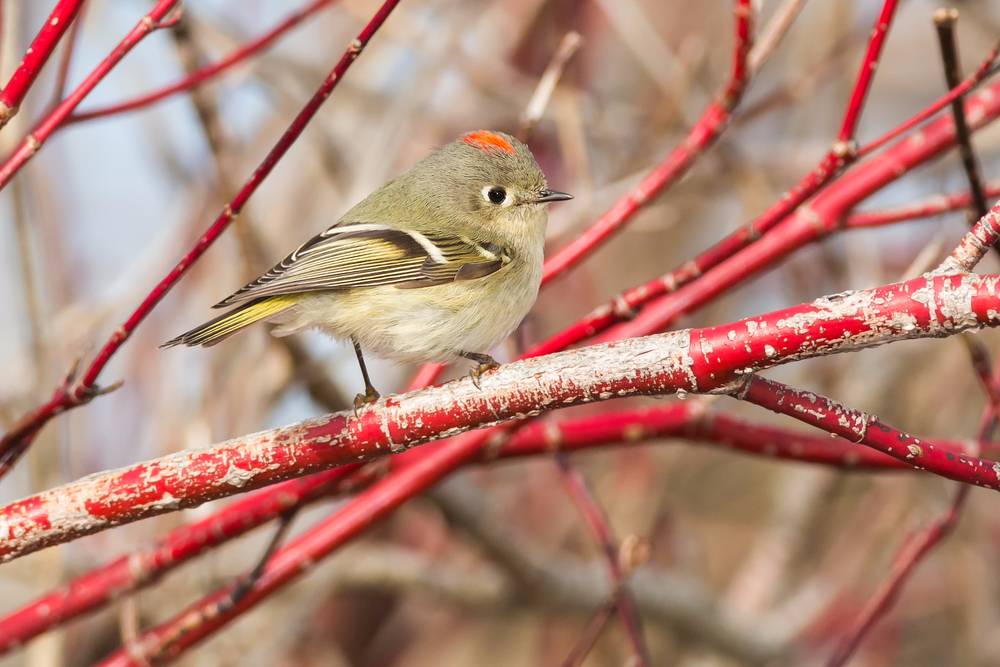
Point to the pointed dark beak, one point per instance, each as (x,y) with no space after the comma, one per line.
(552,195)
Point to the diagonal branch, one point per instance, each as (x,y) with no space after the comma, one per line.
(622,599)
(705,131)
(917,546)
(56,24)
(688,420)
(208,72)
(694,360)
(944,21)
(832,417)
(77,392)
(158,17)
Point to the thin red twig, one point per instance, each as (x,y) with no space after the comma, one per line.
(705,131)
(158,17)
(591,632)
(922,209)
(909,556)
(916,548)
(45,42)
(244,52)
(985,69)
(842,153)
(832,417)
(600,529)
(75,392)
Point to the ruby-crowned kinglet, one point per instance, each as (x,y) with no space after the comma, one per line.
(442,262)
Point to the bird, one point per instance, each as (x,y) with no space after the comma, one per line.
(440,263)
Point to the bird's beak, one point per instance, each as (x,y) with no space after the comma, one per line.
(552,195)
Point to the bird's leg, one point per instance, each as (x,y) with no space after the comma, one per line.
(370,395)
(485,361)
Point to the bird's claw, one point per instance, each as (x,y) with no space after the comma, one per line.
(479,370)
(370,396)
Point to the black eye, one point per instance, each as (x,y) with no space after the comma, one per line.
(497,195)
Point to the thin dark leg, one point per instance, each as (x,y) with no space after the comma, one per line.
(485,363)
(370,395)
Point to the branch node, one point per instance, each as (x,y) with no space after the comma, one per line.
(6,113)
(944,16)
(845,149)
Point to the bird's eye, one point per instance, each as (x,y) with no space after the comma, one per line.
(497,195)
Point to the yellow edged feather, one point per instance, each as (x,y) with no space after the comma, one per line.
(225,325)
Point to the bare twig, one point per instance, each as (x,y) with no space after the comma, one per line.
(944,22)
(600,529)
(535,109)
(76,392)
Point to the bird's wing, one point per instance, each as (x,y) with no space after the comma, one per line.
(366,255)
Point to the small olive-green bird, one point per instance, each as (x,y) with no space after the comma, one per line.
(440,263)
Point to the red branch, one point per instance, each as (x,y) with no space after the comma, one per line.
(74,393)
(974,245)
(45,42)
(695,360)
(600,529)
(916,548)
(909,556)
(869,430)
(811,222)
(156,18)
(923,209)
(688,420)
(713,120)
(840,154)
(196,78)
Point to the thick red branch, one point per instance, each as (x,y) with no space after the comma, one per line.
(696,360)
(686,419)
(45,42)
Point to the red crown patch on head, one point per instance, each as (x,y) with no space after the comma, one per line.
(485,140)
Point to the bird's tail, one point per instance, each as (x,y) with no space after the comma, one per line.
(225,325)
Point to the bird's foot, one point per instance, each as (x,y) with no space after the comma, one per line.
(484,366)
(370,396)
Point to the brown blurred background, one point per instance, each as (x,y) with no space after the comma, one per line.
(780,554)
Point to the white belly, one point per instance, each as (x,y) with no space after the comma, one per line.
(424,324)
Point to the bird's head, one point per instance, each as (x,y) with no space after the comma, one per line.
(490,180)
